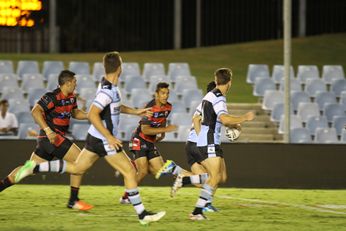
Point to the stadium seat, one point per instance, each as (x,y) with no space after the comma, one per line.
(80,131)
(314,86)
(343,99)
(8,81)
(261,85)
(339,123)
(183,132)
(98,71)
(307,110)
(295,122)
(294,85)
(9,75)
(181,119)
(178,107)
(151,69)
(176,69)
(87,93)
(193,106)
(25,117)
(79,68)
(324,98)
(173,97)
(171,137)
(272,97)
(134,82)
(155,79)
(75,121)
(129,132)
(326,136)
(34,94)
(52,67)
(140,97)
(190,95)
(315,122)
(338,86)
(330,73)
(299,97)
(12,93)
(278,73)
(130,69)
(306,72)
(278,111)
(300,135)
(190,84)
(343,136)
(84,81)
(24,128)
(17,106)
(31,81)
(257,71)
(126,119)
(27,67)
(331,110)
(6,67)
(52,82)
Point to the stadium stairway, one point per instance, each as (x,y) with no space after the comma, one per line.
(261,129)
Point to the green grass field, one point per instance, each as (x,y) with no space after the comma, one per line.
(317,50)
(39,207)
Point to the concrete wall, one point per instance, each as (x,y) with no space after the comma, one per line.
(249,165)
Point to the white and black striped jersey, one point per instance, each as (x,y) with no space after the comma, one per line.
(213,105)
(192,137)
(108,99)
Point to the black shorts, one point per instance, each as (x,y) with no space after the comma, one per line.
(99,147)
(142,148)
(210,151)
(192,153)
(48,151)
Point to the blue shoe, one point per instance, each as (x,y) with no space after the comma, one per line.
(167,168)
(210,208)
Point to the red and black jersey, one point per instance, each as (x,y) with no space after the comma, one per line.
(159,118)
(58,109)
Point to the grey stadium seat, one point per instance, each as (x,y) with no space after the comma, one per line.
(134,83)
(31,81)
(52,67)
(35,94)
(27,67)
(80,131)
(189,84)
(25,127)
(155,79)
(307,110)
(343,136)
(190,95)
(306,72)
(343,99)
(25,117)
(299,97)
(52,82)
(176,69)
(315,122)
(17,106)
(151,69)
(257,71)
(178,107)
(87,93)
(330,73)
(183,132)
(12,93)
(130,69)
(98,71)
(296,122)
(278,73)
(261,85)
(339,122)
(326,136)
(6,67)
(294,85)
(79,68)
(181,119)
(338,86)
(278,112)
(314,86)
(300,135)
(331,110)
(84,81)
(8,81)
(140,97)
(270,98)
(324,98)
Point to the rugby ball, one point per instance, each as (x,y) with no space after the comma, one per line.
(232,133)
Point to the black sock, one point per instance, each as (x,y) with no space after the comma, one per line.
(36,169)
(5,183)
(143,214)
(197,211)
(186,180)
(74,194)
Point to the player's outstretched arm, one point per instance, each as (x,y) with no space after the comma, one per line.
(229,120)
(79,114)
(132,111)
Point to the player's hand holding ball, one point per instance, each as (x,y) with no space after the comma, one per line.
(233,133)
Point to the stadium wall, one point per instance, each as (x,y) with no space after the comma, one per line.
(249,165)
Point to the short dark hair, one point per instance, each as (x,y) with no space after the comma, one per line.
(4,101)
(223,76)
(65,76)
(161,85)
(211,85)
(111,62)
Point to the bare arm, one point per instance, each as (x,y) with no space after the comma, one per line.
(229,120)
(37,113)
(79,114)
(196,120)
(147,130)
(132,111)
(95,119)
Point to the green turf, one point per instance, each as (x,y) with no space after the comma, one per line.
(33,207)
(319,50)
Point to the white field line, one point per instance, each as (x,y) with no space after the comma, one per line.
(305,207)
